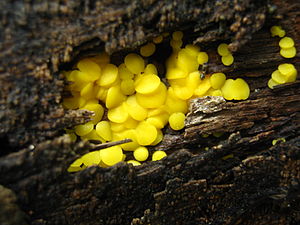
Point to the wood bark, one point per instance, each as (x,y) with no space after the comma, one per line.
(238,178)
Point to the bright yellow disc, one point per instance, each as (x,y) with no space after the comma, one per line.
(223,50)
(158,155)
(227,60)
(103,130)
(134,63)
(84,129)
(217,80)
(288,52)
(91,158)
(147,50)
(141,153)
(90,69)
(202,58)
(176,120)
(147,84)
(153,100)
(111,156)
(114,97)
(286,42)
(146,133)
(109,75)
(118,114)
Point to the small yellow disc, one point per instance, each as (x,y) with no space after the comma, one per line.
(84,129)
(176,120)
(217,80)
(134,163)
(147,84)
(286,42)
(134,63)
(223,50)
(103,130)
(288,52)
(202,58)
(227,60)
(147,50)
(146,133)
(158,155)
(112,155)
(141,153)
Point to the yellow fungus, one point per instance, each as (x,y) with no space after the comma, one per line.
(223,50)
(175,104)
(84,129)
(91,70)
(146,133)
(158,138)
(176,120)
(134,63)
(235,89)
(102,94)
(203,87)
(77,165)
(217,80)
(186,61)
(92,136)
(154,99)
(130,134)
(289,71)
(278,140)
(157,39)
(150,69)
(103,130)
(193,50)
(202,58)
(272,83)
(70,103)
(227,60)
(141,153)
(176,44)
(109,75)
(134,109)
(91,158)
(277,31)
(286,42)
(118,114)
(288,52)
(159,121)
(112,155)
(124,73)
(279,77)
(147,50)
(176,73)
(87,91)
(98,111)
(177,35)
(114,97)
(158,155)
(147,84)
(130,123)
(183,92)
(134,163)
(127,87)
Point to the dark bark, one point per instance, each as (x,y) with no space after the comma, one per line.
(197,183)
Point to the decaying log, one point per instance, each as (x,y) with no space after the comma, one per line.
(238,178)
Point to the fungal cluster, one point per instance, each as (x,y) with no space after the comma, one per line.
(133,101)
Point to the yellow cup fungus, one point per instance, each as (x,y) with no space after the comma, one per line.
(277,31)
(158,155)
(285,73)
(176,120)
(137,103)
(226,56)
(141,153)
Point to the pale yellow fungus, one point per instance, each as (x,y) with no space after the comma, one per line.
(118,114)
(272,83)
(84,129)
(135,110)
(176,120)
(114,97)
(91,70)
(147,50)
(109,75)
(223,50)
(147,84)
(91,158)
(217,80)
(150,69)
(277,31)
(134,63)
(235,89)
(141,153)
(154,99)
(202,58)
(124,73)
(104,131)
(288,52)
(127,87)
(146,133)
(134,163)
(112,155)
(227,60)
(286,42)
(177,35)
(158,155)
(97,109)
